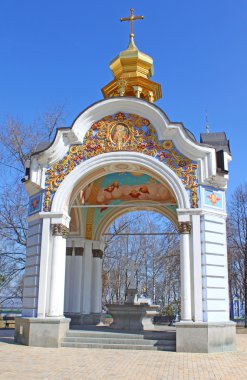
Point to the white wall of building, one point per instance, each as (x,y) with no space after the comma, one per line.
(32,267)
(214,268)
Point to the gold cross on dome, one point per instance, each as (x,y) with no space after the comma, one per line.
(131,20)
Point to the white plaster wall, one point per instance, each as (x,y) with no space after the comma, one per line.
(31,278)
(96,303)
(86,278)
(73,276)
(196,273)
(57,279)
(83,279)
(214,269)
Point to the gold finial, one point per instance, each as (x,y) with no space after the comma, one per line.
(132,70)
(131,20)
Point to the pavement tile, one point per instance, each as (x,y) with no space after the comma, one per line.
(28,363)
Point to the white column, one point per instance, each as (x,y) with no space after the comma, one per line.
(87,277)
(184,230)
(44,267)
(97,281)
(196,269)
(60,233)
(67,279)
(76,279)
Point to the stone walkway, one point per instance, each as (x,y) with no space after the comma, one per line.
(21,362)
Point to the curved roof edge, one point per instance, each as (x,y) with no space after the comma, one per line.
(47,145)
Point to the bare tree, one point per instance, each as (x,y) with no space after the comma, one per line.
(13,211)
(51,120)
(237,244)
(17,142)
(156,258)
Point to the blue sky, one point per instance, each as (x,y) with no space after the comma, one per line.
(57,52)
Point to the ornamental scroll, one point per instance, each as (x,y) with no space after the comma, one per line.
(122,132)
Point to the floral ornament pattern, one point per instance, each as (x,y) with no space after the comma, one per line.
(122,132)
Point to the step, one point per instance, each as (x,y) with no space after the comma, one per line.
(118,346)
(107,340)
(146,340)
(122,335)
(90,334)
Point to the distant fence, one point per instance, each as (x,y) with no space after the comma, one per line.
(10,310)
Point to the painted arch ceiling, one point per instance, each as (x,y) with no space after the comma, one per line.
(116,188)
(119,188)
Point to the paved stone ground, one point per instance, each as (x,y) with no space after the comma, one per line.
(21,362)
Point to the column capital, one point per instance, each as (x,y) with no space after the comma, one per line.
(60,230)
(79,251)
(98,253)
(69,251)
(184,227)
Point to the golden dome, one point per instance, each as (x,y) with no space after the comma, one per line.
(132,70)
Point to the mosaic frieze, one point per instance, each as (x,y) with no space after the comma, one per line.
(35,204)
(122,132)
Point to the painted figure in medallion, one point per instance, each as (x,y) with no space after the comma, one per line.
(120,135)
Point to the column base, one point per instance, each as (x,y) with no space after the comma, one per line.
(78,319)
(41,332)
(205,337)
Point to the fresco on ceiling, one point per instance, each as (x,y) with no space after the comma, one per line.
(123,132)
(118,187)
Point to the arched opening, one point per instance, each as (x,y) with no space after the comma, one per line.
(149,242)
(92,195)
(96,204)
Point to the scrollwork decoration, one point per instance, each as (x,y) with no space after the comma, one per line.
(125,132)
